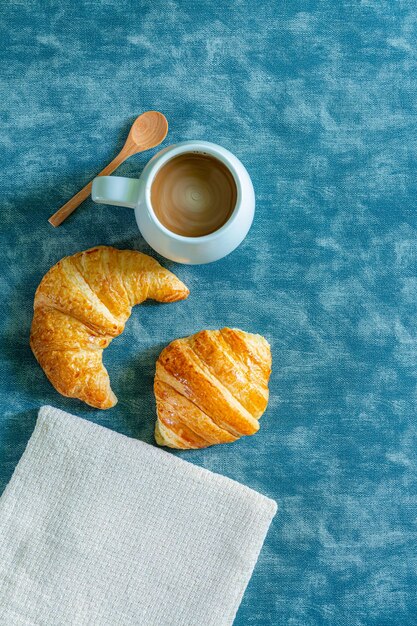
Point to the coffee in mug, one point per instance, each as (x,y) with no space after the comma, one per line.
(193,194)
(194,201)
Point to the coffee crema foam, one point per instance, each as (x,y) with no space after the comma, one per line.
(193,194)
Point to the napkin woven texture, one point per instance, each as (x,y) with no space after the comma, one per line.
(100,529)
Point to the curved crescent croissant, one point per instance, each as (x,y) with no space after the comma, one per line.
(211,388)
(81,304)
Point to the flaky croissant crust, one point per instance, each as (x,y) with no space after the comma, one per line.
(81,304)
(211,387)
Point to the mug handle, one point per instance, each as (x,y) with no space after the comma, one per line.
(116,190)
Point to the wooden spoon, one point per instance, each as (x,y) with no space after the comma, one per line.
(148,131)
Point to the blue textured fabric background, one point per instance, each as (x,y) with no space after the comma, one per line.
(318,99)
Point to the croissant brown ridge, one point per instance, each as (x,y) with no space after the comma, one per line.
(81,304)
(211,387)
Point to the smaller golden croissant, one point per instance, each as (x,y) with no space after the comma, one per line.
(211,387)
(81,305)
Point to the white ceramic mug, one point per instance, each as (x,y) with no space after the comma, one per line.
(136,193)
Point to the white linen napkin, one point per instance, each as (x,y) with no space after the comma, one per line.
(100,529)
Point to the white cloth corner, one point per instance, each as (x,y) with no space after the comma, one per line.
(102,530)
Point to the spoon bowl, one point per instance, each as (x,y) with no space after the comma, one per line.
(148,130)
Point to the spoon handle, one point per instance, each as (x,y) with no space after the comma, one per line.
(57,218)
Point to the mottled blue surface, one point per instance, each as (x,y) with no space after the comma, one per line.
(318,99)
